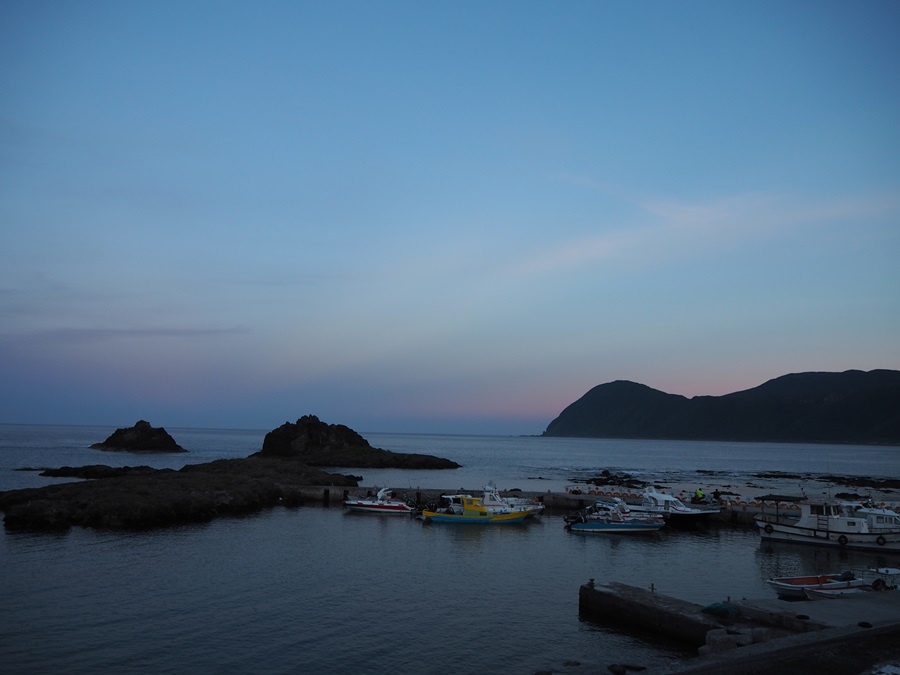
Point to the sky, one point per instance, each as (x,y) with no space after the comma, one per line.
(438,217)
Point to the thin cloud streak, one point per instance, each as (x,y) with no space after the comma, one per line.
(71,336)
(681,230)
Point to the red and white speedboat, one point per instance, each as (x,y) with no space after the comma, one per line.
(383,502)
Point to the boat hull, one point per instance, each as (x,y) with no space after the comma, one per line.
(361,507)
(475,519)
(835,593)
(864,541)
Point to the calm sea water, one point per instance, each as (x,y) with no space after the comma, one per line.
(320,590)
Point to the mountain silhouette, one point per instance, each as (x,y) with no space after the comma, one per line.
(849,407)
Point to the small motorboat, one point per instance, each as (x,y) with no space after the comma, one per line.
(493,500)
(466,509)
(835,593)
(382,502)
(612,517)
(883,581)
(669,506)
(794,588)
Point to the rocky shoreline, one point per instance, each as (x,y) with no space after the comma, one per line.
(137,498)
(855,487)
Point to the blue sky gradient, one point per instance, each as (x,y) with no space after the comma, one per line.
(440,217)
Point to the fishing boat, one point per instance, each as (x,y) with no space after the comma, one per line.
(833,523)
(493,500)
(612,517)
(466,509)
(382,502)
(794,588)
(669,506)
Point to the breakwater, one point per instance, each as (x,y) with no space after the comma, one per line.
(753,636)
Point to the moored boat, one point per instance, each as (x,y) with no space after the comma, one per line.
(795,587)
(382,502)
(612,517)
(669,506)
(466,509)
(836,524)
(492,499)
(835,593)
(870,580)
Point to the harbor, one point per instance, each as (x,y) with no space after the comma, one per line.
(300,572)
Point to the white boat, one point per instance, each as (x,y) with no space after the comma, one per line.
(493,500)
(796,587)
(612,517)
(835,593)
(836,524)
(669,506)
(382,502)
(883,581)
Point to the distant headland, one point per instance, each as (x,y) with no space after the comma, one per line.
(853,407)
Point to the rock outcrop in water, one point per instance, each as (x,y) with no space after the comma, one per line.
(142,497)
(140,438)
(334,445)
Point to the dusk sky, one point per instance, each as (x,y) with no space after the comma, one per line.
(438,216)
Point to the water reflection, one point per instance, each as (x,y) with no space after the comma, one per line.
(785,559)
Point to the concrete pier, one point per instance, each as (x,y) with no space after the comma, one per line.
(760,636)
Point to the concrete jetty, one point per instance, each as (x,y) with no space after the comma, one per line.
(760,636)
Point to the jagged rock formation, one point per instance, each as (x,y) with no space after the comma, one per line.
(849,407)
(334,445)
(140,438)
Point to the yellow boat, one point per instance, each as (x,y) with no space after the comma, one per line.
(473,511)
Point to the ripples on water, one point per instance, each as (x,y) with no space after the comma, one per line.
(317,589)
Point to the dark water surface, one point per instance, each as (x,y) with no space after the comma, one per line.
(320,590)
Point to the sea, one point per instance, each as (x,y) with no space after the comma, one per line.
(317,589)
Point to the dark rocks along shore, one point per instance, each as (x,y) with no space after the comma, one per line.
(142,498)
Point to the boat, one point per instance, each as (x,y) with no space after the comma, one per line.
(612,517)
(874,579)
(835,593)
(795,588)
(466,509)
(668,506)
(838,585)
(493,500)
(832,523)
(382,502)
